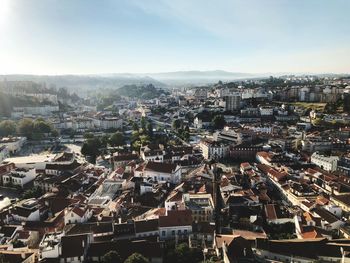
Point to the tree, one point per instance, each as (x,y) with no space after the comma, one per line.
(91,148)
(177,124)
(218,122)
(117,139)
(143,124)
(135,127)
(183,253)
(111,257)
(150,129)
(7,128)
(25,127)
(136,258)
(40,126)
(34,192)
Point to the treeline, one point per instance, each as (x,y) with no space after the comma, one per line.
(141,91)
(7,102)
(32,129)
(94,145)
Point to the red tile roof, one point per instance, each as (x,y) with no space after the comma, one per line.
(176,218)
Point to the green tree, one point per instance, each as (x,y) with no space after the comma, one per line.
(91,148)
(7,128)
(135,127)
(41,126)
(177,124)
(218,122)
(150,129)
(117,139)
(182,253)
(34,192)
(136,258)
(143,124)
(25,128)
(111,257)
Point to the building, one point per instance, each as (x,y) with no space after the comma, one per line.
(77,213)
(201,205)
(344,165)
(19,177)
(159,172)
(328,163)
(212,149)
(175,224)
(13,144)
(233,102)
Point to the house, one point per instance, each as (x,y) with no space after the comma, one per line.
(26,210)
(19,177)
(145,228)
(212,149)
(121,159)
(176,223)
(232,248)
(160,172)
(74,248)
(77,213)
(328,163)
(13,144)
(201,205)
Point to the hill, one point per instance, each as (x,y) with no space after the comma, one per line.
(141,91)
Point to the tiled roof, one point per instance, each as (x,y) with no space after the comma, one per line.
(176,218)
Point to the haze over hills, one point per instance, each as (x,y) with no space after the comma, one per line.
(85,83)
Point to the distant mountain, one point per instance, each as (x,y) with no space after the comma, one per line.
(198,77)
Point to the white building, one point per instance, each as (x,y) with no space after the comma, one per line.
(13,144)
(266,111)
(175,224)
(211,149)
(4,153)
(19,176)
(77,213)
(328,163)
(106,123)
(159,172)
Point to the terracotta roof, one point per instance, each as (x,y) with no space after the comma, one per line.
(160,167)
(270,212)
(311,234)
(142,226)
(250,235)
(176,218)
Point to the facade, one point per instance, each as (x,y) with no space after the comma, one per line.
(176,224)
(211,149)
(233,102)
(19,177)
(328,163)
(159,172)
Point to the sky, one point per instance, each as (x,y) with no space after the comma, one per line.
(138,36)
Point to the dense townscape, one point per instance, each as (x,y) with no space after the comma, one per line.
(254,170)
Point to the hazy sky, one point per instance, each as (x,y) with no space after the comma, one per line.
(105,36)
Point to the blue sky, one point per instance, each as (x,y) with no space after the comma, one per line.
(114,36)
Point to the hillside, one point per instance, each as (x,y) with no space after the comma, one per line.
(140,91)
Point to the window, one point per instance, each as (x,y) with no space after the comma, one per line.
(173,232)
(185,231)
(163,233)
(179,232)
